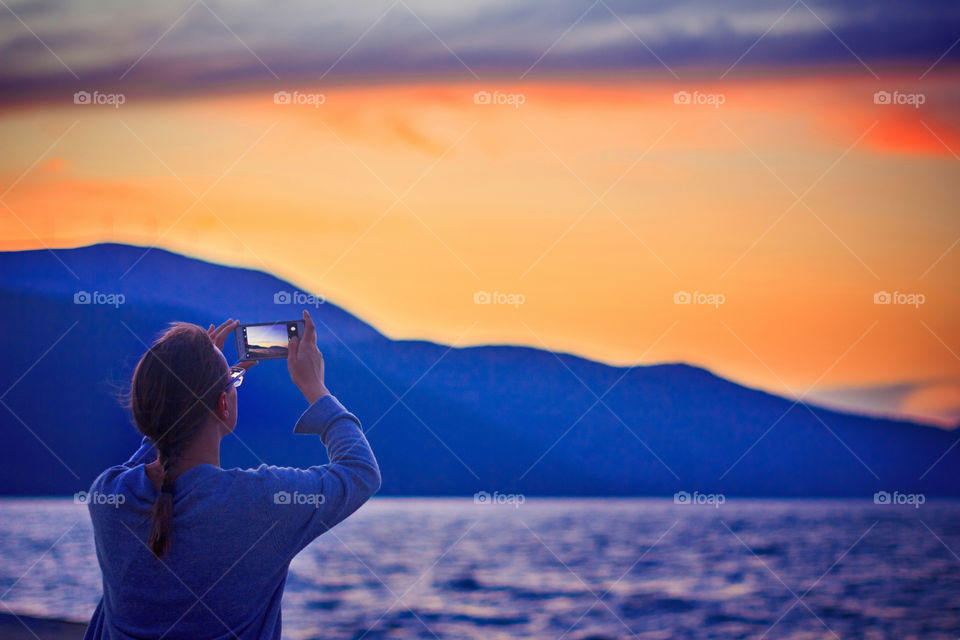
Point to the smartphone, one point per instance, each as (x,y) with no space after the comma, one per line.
(266,340)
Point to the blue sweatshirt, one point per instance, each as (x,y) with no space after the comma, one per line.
(233,535)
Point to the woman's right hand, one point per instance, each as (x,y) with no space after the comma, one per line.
(305,362)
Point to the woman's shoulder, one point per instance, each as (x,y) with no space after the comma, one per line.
(253,492)
(117,486)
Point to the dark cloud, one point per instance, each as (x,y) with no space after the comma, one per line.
(205,45)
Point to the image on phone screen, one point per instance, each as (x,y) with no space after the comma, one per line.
(264,341)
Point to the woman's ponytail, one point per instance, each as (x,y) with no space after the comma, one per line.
(162,513)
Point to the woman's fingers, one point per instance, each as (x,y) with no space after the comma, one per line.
(309,330)
(219,334)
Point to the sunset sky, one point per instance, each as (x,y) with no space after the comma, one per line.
(589,190)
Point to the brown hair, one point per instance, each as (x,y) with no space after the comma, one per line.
(176,385)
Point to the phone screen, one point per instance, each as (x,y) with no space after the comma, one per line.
(265,341)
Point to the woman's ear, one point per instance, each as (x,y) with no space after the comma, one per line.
(223,407)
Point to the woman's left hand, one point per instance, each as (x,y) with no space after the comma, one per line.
(219,334)
(219,337)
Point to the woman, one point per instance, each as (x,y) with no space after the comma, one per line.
(195,551)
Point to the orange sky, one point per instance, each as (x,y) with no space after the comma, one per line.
(497,198)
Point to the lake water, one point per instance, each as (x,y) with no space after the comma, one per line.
(564,568)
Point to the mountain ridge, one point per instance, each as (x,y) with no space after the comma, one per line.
(487,417)
(135,250)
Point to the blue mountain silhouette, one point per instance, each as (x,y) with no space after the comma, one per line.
(442,421)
